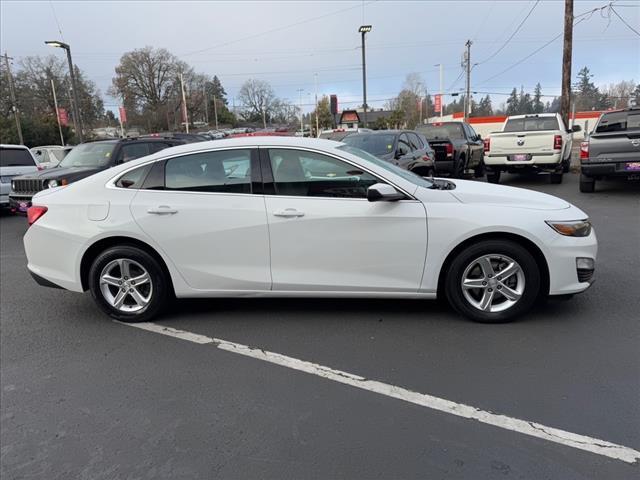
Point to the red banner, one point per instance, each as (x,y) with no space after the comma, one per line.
(123,114)
(437,103)
(63,117)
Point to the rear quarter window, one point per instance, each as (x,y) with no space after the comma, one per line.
(16,157)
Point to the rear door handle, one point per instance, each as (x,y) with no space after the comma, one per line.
(162,210)
(288,212)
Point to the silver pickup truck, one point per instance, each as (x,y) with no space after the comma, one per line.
(612,150)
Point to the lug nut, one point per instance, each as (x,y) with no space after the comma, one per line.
(499,287)
(490,276)
(491,289)
(499,278)
(484,283)
(132,282)
(119,282)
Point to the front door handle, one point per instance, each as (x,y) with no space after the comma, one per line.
(162,210)
(288,212)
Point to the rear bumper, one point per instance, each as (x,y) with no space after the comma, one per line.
(444,166)
(538,161)
(611,169)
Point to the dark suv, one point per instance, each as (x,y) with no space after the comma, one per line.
(404,148)
(83,161)
(612,150)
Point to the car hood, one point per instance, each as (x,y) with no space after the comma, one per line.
(468,191)
(70,174)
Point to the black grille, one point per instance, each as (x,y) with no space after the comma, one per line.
(585,274)
(27,186)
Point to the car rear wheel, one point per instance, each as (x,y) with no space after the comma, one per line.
(460,167)
(587,184)
(128,284)
(493,176)
(555,177)
(493,281)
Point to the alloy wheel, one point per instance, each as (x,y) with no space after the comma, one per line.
(493,283)
(126,285)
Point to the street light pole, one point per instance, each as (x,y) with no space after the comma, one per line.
(364,29)
(14,102)
(317,121)
(300,90)
(72,75)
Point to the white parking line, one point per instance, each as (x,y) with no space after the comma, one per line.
(533,429)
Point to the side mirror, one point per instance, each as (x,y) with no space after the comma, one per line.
(381,192)
(576,128)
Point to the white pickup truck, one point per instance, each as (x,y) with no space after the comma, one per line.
(537,142)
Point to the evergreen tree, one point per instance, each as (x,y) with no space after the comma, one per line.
(513,103)
(537,105)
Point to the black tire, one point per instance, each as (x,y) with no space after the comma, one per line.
(160,284)
(459,167)
(555,178)
(531,272)
(479,171)
(566,165)
(493,176)
(587,184)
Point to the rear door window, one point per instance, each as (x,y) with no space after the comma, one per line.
(131,151)
(16,157)
(415,141)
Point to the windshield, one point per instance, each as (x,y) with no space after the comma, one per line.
(445,130)
(16,157)
(374,144)
(407,175)
(89,155)
(533,124)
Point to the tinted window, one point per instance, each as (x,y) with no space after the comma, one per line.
(134,178)
(532,124)
(472,132)
(227,171)
(618,122)
(89,155)
(309,174)
(404,147)
(415,141)
(132,151)
(157,146)
(16,157)
(377,144)
(442,131)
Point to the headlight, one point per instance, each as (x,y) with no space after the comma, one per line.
(52,183)
(574,228)
(13,186)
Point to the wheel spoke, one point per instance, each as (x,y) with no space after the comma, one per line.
(138,298)
(509,293)
(485,265)
(119,298)
(110,280)
(141,279)
(474,283)
(509,270)
(124,268)
(486,301)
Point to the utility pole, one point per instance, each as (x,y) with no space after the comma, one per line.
(55,103)
(206,104)
(441,89)
(215,110)
(14,103)
(565,97)
(300,90)
(317,121)
(185,114)
(467,99)
(364,29)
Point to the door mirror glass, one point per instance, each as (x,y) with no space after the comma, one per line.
(383,192)
(576,128)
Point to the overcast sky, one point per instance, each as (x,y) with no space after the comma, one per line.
(286,43)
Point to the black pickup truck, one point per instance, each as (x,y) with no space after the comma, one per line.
(458,147)
(612,150)
(83,161)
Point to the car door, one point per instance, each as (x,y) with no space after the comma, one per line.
(476,146)
(202,211)
(326,236)
(405,152)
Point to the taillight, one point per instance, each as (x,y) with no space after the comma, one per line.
(449,149)
(557,142)
(584,150)
(35,212)
(487,144)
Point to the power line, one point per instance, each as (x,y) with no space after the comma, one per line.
(53,10)
(624,21)
(273,30)
(513,34)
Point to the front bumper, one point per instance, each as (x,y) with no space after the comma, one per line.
(610,169)
(20,203)
(564,275)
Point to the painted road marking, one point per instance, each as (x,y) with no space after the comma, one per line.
(533,429)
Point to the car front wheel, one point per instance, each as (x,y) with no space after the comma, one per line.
(493,281)
(128,284)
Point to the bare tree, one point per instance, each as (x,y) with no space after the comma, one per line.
(258,99)
(620,93)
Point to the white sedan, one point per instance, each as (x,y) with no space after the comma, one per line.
(294,217)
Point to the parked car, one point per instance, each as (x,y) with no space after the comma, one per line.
(15,160)
(49,156)
(612,150)
(404,148)
(530,143)
(457,148)
(217,134)
(255,217)
(84,160)
(184,137)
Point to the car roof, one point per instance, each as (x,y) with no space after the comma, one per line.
(8,145)
(532,115)
(379,132)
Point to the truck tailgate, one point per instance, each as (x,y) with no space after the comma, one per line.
(614,147)
(522,142)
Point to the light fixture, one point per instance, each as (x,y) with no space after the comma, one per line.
(365,29)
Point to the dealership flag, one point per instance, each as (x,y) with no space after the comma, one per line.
(63,117)
(123,114)
(437,102)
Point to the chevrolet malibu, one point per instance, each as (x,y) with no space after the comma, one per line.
(296,217)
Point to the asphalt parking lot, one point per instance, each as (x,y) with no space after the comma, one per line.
(84,397)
